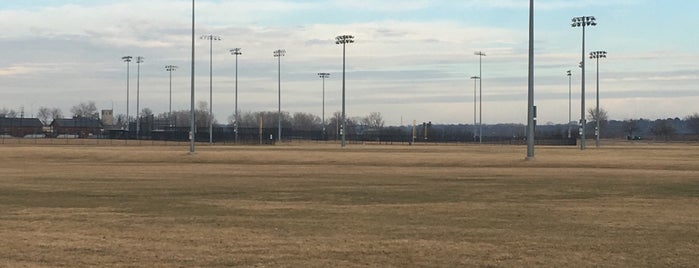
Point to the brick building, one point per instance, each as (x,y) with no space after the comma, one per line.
(20,127)
(81,127)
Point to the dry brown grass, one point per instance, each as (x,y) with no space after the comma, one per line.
(626,205)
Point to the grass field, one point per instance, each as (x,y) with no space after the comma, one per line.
(628,205)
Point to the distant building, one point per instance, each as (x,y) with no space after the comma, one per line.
(80,126)
(107,117)
(20,127)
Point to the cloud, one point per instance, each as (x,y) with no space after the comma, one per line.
(382,6)
(18,70)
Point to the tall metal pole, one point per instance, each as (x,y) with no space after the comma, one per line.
(570,102)
(323,112)
(127,59)
(597,129)
(211,39)
(279,54)
(211,90)
(530,101)
(343,40)
(279,99)
(169,113)
(323,76)
(475,87)
(480,95)
(344,116)
(192,129)
(583,22)
(236,99)
(236,52)
(582,97)
(170,68)
(597,55)
(139,60)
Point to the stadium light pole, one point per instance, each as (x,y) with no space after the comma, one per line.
(127,59)
(583,22)
(211,39)
(570,101)
(597,55)
(236,52)
(480,55)
(323,76)
(192,122)
(343,40)
(279,53)
(530,100)
(139,60)
(475,83)
(170,68)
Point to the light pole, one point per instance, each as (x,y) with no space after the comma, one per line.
(323,76)
(480,95)
(597,55)
(475,82)
(127,59)
(583,22)
(192,126)
(570,101)
(170,68)
(279,53)
(236,52)
(139,60)
(211,39)
(343,40)
(531,109)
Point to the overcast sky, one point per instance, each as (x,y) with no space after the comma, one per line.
(412,60)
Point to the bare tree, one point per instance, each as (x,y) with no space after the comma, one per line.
(182,118)
(592,116)
(305,121)
(56,113)
(693,122)
(334,124)
(630,126)
(247,119)
(269,119)
(373,120)
(85,110)
(47,115)
(663,128)
(202,114)
(9,113)
(44,114)
(121,121)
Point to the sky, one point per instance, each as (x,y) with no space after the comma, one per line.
(411,60)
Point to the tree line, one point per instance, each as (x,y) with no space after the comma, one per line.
(630,128)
